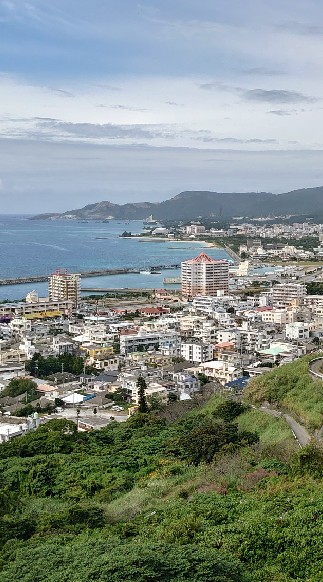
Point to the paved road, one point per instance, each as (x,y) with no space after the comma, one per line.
(300,433)
(316,367)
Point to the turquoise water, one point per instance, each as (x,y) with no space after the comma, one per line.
(39,247)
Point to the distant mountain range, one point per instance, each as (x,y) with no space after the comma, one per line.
(192,204)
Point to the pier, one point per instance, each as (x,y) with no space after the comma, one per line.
(172,280)
(96,273)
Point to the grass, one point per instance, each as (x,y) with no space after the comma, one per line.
(291,388)
(174,479)
(271,430)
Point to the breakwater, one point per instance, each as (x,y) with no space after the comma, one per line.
(96,273)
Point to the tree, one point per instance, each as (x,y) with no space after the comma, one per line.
(18,386)
(142,401)
(56,559)
(229,410)
(203,378)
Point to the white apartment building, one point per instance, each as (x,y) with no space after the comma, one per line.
(64,286)
(195,229)
(206,333)
(226,335)
(145,340)
(313,301)
(250,341)
(287,293)
(214,306)
(170,346)
(20,325)
(197,352)
(204,276)
(277,316)
(297,331)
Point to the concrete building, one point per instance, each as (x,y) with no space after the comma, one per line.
(297,331)
(43,309)
(195,229)
(186,383)
(196,352)
(64,286)
(277,316)
(244,268)
(144,341)
(204,276)
(288,293)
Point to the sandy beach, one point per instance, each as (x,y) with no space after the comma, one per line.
(205,243)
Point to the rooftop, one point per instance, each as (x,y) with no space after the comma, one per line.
(204,258)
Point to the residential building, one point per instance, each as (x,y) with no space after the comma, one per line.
(297,331)
(196,352)
(204,276)
(195,229)
(276,316)
(143,341)
(288,293)
(186,383)
(43,309)
(64,286)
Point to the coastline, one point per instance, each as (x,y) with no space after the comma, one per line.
(206,244)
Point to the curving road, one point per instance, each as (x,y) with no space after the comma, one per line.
(300,433)
(316,367)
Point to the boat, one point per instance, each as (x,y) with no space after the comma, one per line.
(146,272)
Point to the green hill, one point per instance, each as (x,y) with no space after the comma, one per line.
(221,494)
(219,205)
(292,388)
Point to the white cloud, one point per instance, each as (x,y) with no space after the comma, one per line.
(128,77)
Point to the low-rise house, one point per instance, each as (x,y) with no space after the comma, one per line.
(63,345)
(297,331)
(186,383)
(220,370)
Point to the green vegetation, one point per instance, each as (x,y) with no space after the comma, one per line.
(292,388)
(142,401)
(18,386)
(314,288)
(44,367)
(202,498)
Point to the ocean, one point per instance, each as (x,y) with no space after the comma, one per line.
(29,247)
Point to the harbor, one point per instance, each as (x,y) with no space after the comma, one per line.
(97,273)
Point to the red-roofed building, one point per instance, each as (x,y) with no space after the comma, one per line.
(204,276)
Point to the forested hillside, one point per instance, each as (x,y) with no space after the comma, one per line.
(191,204)
(202,498)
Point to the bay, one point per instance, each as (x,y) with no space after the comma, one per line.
(29,247)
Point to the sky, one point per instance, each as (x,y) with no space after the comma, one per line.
(130,101)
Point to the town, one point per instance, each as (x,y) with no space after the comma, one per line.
(83,357)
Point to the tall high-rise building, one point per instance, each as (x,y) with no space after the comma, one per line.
(204,276)
(63,286)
